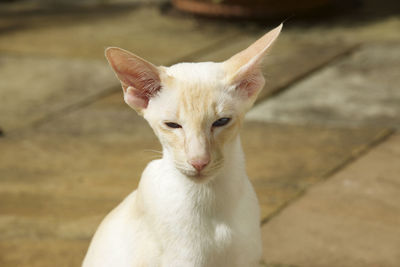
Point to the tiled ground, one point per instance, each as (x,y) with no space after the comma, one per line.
(359,90)
(72,150)
(362,225)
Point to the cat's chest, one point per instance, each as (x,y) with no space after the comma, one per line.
(195,230)
(191,220)
(207,244)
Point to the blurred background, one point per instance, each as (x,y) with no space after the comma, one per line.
(322,142)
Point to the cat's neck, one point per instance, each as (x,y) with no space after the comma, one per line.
(162,185)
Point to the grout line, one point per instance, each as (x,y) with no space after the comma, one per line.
(72,107)
(335,58)
(189,57)
(102,94)
(67,9)
(360,151)
(77,105)
(43,55)
(33,15)
(205,50)
(355,155)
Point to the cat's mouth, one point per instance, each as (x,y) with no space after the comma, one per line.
(204,174)
(199,176)
(194,174)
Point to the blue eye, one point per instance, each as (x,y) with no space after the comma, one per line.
(221,122)
(173,125)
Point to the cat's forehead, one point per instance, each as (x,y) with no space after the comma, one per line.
(203,72)
(194,89)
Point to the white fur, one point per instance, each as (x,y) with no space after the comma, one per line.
(215,224)
(180,216)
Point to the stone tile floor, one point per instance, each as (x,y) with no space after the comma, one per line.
(321,144)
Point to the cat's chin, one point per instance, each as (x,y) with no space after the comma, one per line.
(201,178)
(198,177)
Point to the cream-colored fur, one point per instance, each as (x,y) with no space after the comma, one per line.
(195,206)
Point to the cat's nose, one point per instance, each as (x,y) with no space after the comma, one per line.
(200,164)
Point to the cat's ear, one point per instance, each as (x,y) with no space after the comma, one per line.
(140,79)
(244,69)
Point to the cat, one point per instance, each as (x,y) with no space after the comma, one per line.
(194,207)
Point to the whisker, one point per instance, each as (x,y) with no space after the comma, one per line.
(182,166)
(157,154)
(152,150)
(154,157)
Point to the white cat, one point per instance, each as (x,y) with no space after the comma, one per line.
(195,206)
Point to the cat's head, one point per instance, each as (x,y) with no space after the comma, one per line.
(195,109)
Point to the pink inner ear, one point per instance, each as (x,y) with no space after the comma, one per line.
(135,100)
(139,89)
(139,78)
(251,83)
(244,67)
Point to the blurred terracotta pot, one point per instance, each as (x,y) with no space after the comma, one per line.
(250,8)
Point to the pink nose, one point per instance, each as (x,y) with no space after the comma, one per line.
(199,164)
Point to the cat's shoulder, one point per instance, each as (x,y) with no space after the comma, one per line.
(124,213)
(122,239)
(156,169)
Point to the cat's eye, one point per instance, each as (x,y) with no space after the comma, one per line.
(173,125)
(221,122)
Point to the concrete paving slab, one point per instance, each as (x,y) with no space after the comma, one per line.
(361,90)
(71,171)
(32,87)
(57,83)
(160,39)
(370,28)
(284,160)
(40,253)
(59,179)
(350,220)
(50,68)
(290,59)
